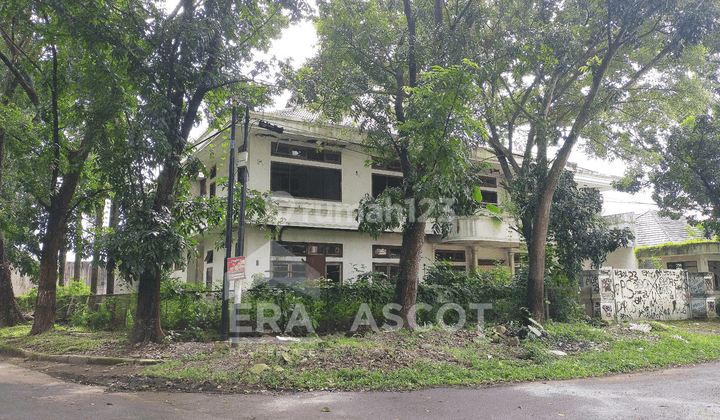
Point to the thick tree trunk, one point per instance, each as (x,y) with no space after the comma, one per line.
(55,233)
(147,318)
(62,262)
(45,306)
(10,314)
(410,259)
(77,265)
(538,242)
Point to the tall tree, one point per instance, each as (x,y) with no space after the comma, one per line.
(77,93)
(393,68)
(9,83)
(196,55)
(684,170)
(559,72)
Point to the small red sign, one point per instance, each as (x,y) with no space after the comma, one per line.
(236,268)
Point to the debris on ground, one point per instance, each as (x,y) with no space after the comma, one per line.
(646,328)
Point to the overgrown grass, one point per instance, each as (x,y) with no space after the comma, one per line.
(435,361)
(61,340)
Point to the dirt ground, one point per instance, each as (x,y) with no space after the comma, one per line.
(376,355)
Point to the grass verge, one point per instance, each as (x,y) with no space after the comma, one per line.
(61,340)
(401,360)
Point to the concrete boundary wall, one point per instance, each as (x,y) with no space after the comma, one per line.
(647,294)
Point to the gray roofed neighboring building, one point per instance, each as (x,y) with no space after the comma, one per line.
(652,229)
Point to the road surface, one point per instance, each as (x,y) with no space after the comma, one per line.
(682,393)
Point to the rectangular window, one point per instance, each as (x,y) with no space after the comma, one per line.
(385,251)
(333,272)
(203,187)
(209,257)
(490,197)
(213,171)
(306,181)
(390,271)
(280,249)
(488,181)
(212,189)
(209,277)
(289,269)
(381,182)
(450,256)
(313,154)
(686,265)
(489,263)
(377,163)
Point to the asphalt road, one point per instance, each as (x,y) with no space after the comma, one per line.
(683,393)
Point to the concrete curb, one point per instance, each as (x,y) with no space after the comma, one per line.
(74,359)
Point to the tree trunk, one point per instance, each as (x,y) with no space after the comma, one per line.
(77,265)
(55,233)
(410,258)
(95,271)
(538,243)
(147,317)
(111,263)
(10,314)
(62,263)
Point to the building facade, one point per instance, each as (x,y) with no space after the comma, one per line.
(318,173)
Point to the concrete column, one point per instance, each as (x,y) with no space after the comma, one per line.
(598,293)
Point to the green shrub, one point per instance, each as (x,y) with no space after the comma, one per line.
(96,320)
(333,307)
(27,302)
(71,297)
(191,310)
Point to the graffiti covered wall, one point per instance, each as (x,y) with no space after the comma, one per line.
(651,294)
(627,295)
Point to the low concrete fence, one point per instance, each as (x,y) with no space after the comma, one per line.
(627,295)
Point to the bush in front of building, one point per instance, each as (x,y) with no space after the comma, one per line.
(334,307)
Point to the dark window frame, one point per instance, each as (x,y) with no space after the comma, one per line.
(377,179)
(488,181)
(386,251)
(203,187)
(282,269)
(393,166)
(451,255)
(309,154)
(386,269)
(302,249)
(300,180)
(490,197)
(213,189)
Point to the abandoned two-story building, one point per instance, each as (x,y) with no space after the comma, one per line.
(318,174)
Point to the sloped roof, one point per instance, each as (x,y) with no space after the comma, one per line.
(651,229)
(302,114)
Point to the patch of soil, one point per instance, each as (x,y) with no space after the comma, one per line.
(379,352)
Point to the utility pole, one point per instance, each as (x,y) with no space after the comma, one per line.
(224,319)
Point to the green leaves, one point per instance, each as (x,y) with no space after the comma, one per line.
(686,178)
